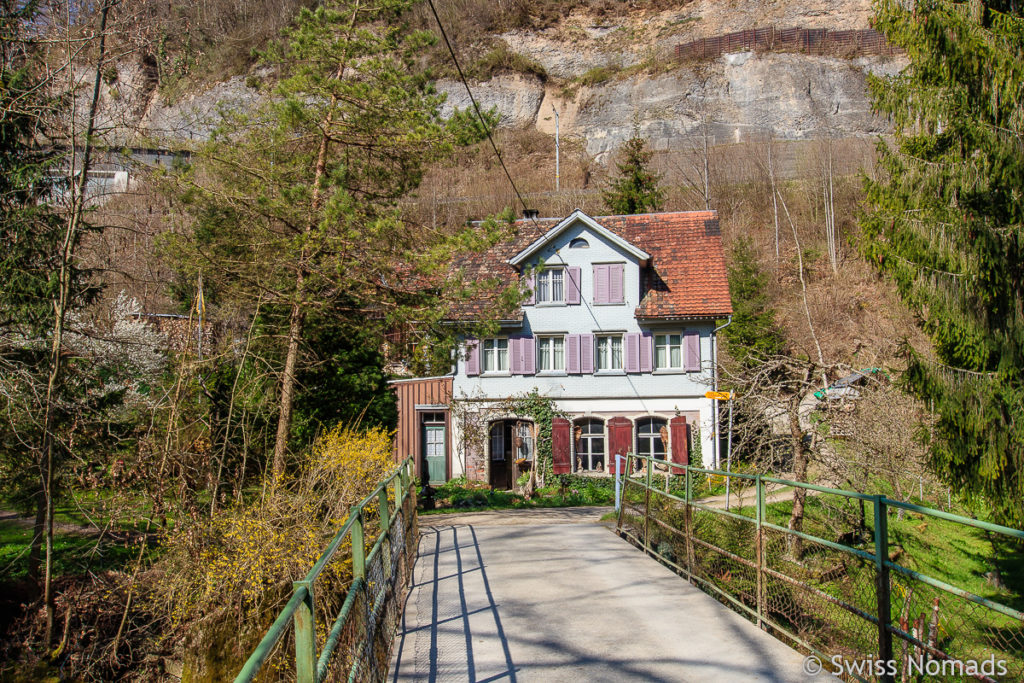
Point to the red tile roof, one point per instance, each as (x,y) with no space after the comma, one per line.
(686,277)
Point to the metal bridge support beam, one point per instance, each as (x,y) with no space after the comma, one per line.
(882,583)
(305,635)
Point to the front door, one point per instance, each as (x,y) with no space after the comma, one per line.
(434,448)
(500,439)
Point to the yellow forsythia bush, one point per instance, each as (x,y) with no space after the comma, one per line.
(243,560)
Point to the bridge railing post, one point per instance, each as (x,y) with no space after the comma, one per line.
(759,550)
(305,635)
(882,586)
(647,504)
(688,525)
(385,530)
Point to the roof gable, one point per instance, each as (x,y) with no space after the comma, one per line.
(570,220)
(685,276)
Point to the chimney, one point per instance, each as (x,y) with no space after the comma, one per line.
(530,214)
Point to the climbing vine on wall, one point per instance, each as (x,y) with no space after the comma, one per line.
(542,411)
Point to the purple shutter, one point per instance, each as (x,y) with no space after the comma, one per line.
(572,285)
(572,354)
(646,352)
(587,354)
(515,359)
(472,357)
(633,352)
(691,351)
(615,279)
(600,284)
(529,351)
(530,285)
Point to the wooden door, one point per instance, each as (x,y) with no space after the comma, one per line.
(620,441)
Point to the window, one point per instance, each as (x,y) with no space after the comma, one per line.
(668,352)
(495,355)
(651,435)
(550,354)
(550,286)
(498,441)
(524,441)
(609,352)
(589,446)
(579,243)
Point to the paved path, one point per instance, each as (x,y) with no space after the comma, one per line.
(554,595)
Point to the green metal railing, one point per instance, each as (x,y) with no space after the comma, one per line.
(357,645)
(846,593)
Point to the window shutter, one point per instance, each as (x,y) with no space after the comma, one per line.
(646,352)
(529,353)
(691,351)
(531,286)
(572,354)
(515,355)
(678,433)
(587,354)
(472,357)
(620,441)
(615,283)
(633,352)
(600,284)
(561,459)
(572,285)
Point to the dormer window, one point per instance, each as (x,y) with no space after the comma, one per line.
(551,286)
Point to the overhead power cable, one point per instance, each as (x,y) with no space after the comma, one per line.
(476,107)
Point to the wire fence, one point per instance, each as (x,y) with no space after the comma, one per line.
(376,547)
(872,596)
(817,41)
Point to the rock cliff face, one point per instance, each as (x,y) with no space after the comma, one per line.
(606,74)
(739,95)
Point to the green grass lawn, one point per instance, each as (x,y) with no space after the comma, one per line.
(456,496)
(73,553)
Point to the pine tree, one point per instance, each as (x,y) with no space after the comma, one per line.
(944,222)
(753,335)
(296,203)
(635,189)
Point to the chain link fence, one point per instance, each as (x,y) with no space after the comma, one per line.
(877,589)
(372,557)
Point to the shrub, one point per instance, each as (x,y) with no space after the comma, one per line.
(239,564)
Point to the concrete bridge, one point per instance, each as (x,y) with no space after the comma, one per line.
(555,595)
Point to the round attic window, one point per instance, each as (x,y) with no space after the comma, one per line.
(579,243)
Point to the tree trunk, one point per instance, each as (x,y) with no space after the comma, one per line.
(61,305)
(284,419)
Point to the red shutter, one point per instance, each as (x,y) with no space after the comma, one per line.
(560,456)
(572,285)
(615,283)
(472,357)
(679,433)
(572,354)
(620,441)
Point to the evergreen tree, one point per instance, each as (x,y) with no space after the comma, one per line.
(295,204)
(944,222)
(635,189)
(753,335)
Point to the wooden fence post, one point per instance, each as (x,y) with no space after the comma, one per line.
(305,635)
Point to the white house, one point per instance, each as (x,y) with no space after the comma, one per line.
(619,332)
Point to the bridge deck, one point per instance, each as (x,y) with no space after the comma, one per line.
(553,595)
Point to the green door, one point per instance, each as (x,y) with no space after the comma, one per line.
(434,451)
